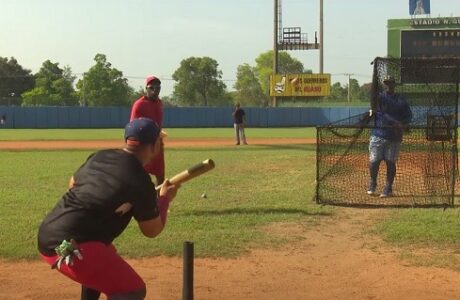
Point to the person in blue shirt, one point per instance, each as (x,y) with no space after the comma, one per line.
(392,117)
(239,121)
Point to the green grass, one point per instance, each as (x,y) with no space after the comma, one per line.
(250,188)
(117,133)
(422,227)
(425,237)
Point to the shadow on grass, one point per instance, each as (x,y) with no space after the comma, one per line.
(256,211)
(397,201)
(383,206)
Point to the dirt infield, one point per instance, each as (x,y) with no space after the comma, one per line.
(97,144)
(336,260)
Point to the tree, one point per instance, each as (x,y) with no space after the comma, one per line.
(338,93)
(168,101)
(104,85)
(354,89)
(136,94)
(253,83)
(248,88)
(287,65)
(14,80)
(199,83)
(53,86)
(365,91)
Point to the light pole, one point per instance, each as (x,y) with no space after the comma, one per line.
(349,85)
(275,44)
(321,39)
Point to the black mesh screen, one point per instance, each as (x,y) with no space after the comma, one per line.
(427,166)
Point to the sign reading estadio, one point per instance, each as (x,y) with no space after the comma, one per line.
(289,85)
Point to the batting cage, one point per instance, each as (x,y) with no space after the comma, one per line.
(427,169)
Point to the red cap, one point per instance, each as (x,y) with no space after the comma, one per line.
(151,78)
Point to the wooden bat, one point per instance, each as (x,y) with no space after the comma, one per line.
(191,172)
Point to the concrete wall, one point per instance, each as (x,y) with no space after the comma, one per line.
(117,117)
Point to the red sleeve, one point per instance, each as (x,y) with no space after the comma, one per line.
(159,113)
(136,111)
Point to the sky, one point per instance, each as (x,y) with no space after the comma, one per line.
(142,37)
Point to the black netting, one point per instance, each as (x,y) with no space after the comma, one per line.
(427,166)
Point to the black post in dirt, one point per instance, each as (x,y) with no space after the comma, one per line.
(187,289)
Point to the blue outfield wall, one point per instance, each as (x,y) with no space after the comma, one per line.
(117,117)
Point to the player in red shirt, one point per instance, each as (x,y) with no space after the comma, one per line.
(150,106)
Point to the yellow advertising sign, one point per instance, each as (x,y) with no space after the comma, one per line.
(300,85)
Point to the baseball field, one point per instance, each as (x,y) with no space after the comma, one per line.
(258,234)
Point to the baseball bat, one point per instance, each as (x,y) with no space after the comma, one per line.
(191,172)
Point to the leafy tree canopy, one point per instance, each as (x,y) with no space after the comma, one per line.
(53,86)
(14,80)
(286,65)
(253,83)
(337,92)
(199,83)
(248,88)
(104,85)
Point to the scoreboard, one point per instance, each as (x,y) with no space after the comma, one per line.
(441,43)
(429,43)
